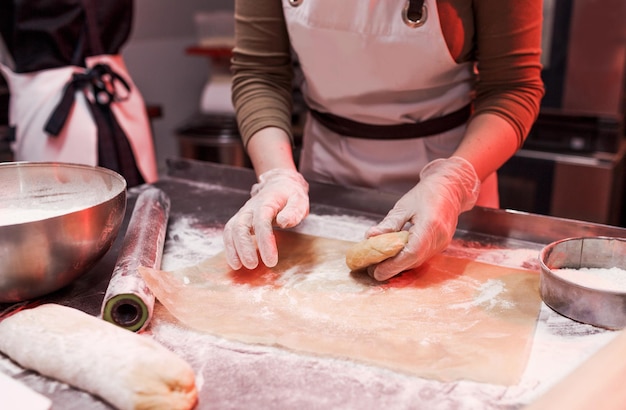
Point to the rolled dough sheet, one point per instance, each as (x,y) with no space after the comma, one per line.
(450,319)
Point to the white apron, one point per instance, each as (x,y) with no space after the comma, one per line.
(361,61)
(35,95)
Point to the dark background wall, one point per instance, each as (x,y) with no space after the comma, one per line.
(165,74)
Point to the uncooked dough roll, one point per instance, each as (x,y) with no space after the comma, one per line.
(128,370)
(376,249)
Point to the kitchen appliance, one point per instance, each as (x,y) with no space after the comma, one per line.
(212,134)
(212,137)
(585,187)
(572,163)
(215,33)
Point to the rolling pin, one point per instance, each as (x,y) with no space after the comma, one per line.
(128,302)
(598,383)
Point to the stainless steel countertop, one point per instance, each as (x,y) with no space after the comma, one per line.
(209,194)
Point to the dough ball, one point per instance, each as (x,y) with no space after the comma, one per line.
(376,249)
(129,370)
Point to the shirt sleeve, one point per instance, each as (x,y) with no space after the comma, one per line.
(261,67)
(508,52)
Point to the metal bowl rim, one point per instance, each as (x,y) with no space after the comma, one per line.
(544,269)
(43,164)
(52,164)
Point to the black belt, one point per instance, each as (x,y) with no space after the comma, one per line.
(349,128)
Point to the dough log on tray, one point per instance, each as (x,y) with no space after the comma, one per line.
(128,370)
(376,249)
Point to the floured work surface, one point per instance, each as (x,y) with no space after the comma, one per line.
(451,319)
(235,375)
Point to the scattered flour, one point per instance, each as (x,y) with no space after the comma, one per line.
(487,294)
(188,243)
(231,374)
(344,227)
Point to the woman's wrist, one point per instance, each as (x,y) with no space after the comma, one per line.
(270,148)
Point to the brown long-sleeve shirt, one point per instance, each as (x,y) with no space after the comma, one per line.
(502,37)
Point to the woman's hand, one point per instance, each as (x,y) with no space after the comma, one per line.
(447,187)
(282,197)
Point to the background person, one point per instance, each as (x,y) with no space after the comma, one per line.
(72,98)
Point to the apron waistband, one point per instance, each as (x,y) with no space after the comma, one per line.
(430,127)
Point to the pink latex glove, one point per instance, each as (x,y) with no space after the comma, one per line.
(447,188)
(282,197)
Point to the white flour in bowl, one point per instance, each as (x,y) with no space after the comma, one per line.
(610,279)
(12,216)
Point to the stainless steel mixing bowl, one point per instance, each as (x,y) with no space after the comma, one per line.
(56,221)
(593,305)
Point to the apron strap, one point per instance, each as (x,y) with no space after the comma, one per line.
(114,150)
(100,79)
(349,128)
(100,85)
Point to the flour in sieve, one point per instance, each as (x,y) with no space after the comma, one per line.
(609,279)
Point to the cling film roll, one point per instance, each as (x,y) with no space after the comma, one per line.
(128,302)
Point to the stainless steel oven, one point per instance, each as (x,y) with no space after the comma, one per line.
(583,187)
(572,164)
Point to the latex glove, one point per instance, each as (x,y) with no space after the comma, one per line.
(447,188)
(282,197)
